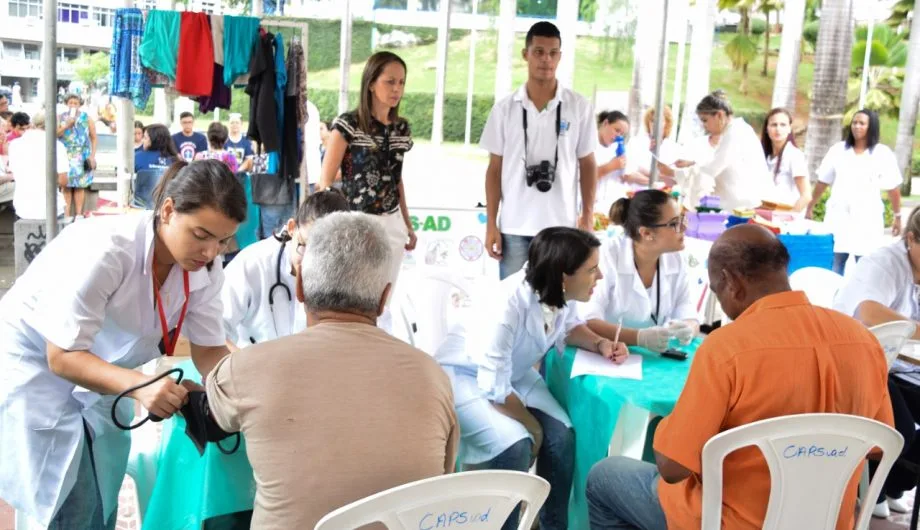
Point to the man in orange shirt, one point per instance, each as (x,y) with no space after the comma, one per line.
(780,356)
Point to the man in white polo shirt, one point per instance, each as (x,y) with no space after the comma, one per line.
(541,141)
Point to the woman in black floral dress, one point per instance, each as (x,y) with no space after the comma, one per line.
(368,145)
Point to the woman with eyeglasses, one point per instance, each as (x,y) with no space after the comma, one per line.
(645,282)
(258,294)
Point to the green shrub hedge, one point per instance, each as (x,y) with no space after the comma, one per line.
(323,49)
(418,108)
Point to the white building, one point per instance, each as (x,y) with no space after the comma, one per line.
(84,26)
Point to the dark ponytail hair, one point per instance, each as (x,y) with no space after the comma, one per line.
(643,209)
(320,204)
(611,116)
(201,184)
(553,252)
(714,102)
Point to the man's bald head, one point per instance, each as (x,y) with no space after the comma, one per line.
(746,263)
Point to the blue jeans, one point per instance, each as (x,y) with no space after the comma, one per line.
(622,493)
(83,506)
(555,463)
(514,254)
(273,217)
(840,261)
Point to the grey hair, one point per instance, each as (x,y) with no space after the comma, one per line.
(346,264)
(38,120)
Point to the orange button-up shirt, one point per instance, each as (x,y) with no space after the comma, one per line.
(782,356)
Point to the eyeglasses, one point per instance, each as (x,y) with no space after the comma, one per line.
(677,224)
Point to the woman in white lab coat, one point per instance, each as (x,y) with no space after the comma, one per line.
(645,283)
(640,159)
(785,161)
(884,286)
(735,170)
(70,341)
(610,182)
(858,169)
(259,292)
(507,415)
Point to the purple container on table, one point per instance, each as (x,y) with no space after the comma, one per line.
(711,225)
(710,201)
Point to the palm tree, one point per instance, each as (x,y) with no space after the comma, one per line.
(767,7)
(742,49)
(790,51)
(910,98)
(829,89)
(698,67)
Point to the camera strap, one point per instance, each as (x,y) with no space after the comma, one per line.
(558,130)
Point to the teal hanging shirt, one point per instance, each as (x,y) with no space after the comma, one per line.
(159,50)
(240,35)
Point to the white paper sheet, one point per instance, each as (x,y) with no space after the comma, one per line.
(590,363)
(911,349)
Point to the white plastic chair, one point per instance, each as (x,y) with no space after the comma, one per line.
(487,497)
(430,298)
(893,336)
(820,285)
(805,489)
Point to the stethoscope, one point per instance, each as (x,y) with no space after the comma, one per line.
(278,283)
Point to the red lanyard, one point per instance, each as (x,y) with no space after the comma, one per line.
(170,345)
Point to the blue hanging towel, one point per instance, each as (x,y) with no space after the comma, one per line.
(127,78)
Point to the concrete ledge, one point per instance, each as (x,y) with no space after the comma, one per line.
(29,238)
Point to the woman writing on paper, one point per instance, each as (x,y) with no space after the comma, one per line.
(507,415)
(259,292)
(645,283)
(785,161)
(70,342)
(858,169)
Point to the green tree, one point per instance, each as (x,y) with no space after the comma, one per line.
(887,59)
(92,68)
(767,7)
(899,12)
(741,49)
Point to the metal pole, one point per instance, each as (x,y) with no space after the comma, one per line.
(864,83)
(344,56)
(679,70)
(659,96)
(437,125)
(124,135)
(49,58)
(471,69)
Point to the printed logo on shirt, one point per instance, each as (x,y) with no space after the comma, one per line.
(187,151)
(563,127)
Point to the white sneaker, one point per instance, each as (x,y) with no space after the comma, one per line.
(881,510)
(898,505)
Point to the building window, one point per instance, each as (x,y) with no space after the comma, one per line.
(25,8)
(32,52)
(104,16)
(12,50)
(72,13)
(68,54)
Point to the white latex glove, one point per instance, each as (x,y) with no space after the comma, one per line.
(682,331)
(655,339)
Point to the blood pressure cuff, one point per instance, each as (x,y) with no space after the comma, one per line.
(200,425)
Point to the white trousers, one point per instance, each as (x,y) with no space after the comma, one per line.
(398,235)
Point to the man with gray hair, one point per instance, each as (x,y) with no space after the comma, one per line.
(341,410)
(27,166)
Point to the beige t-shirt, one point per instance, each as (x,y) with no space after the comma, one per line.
(331,415)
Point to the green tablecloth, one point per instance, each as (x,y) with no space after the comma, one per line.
(593,404)
(191,488)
